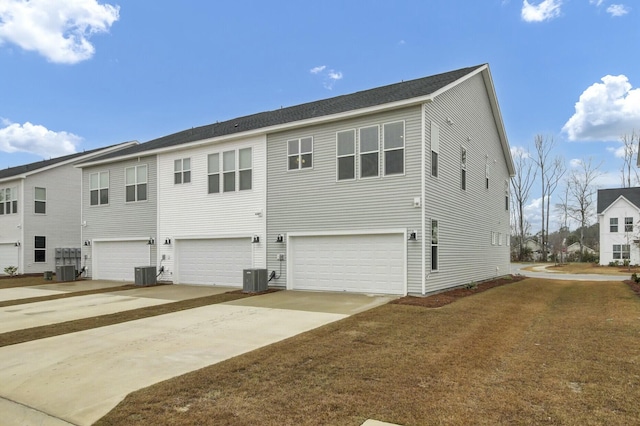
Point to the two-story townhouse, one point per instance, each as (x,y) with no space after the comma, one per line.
(399,189)
(618,217)
(40,212)
(200,217)
(402,188)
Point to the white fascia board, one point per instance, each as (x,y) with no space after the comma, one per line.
(271,129)
(16,177)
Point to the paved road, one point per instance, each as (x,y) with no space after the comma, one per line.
(541,272)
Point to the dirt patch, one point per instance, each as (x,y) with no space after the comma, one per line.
(634,286)
(450,296)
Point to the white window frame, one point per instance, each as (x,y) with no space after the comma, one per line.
(243,169)
(435,148)
(182,171)
(351,155)
(464,158)
(37,200)
(299,154)
(435,243)
(99,188)
(37,249)
(136,184)
(386,150)
(237,170)
(9,202)
(628,224)
(229,170)
(369,152)
(613,223)
(213,159)
(620,250)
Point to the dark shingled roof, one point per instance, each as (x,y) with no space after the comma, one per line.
(608,196)
(354,101)
(28,168)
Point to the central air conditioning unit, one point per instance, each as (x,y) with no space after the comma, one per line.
(65,273)
(145,275)
(254,280)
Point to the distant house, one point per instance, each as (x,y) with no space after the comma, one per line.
(618,217)
(397,189)
(40,212)
(574,249)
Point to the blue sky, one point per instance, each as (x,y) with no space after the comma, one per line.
(77,75)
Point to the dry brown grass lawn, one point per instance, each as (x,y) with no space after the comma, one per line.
(532,352)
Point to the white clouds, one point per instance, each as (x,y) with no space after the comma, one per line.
(36,139)
(57,29)
(575,163)
(543,11)
(330,76)
(596,2)
(605,111)
(617,10)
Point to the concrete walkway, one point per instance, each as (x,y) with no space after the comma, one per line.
(541,271)
(77,378)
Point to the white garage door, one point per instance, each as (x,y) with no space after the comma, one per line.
(354,263)
(8,256)
(212,261)
(116,260)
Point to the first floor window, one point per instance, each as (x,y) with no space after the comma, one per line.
(300,153)
(434,245)
(182,171)
(40,200)
(613,224)
(393,148)
(628,224)
(621,251)
(136,183)
(99,188)
(40,249)
(346,154)
(8,200)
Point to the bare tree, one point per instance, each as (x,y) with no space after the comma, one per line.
(563,212)
(581,191)
(551,171)
(629,170)
(520,189)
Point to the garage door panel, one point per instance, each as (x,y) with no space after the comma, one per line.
(356,263)
(217,261)
(117,260)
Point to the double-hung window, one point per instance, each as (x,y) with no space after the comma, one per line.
(229,171)
(393,148)
(40,200)
(135,183)
(435,148)
(628,224)
(245,168)
(40,249)
(613,224)
(434,245)
(9,201)
(463,168)
(621,251)
(213,173)
(182,171)
(300,153)
(99,188)
(369,151)
(346,154)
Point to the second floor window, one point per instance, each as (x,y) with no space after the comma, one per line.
(393,134)
(346,154)
(99,188)
(8,200)
(463,168)
(40,200)
(136,183)
(233,175)
(182,171)
(300,153)
(613,224)
(628,224)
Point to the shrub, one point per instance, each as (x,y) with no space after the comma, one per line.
(471,286)
(11,270)
(635,278)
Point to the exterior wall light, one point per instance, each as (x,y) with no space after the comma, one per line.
(17,243)
(280,238)
(255,239)
(167,241)
(412,235)
(87,242)
(151,241)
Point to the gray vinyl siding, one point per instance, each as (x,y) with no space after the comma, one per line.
(312,200)
(61,222)
(466,218)
(119,219)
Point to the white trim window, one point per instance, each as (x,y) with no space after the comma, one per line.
(99,189)
(245,169)
(435,147)
(346,155)
(369,151)
(628,224)
(486,175)
(40,200)
(621,251)
(463,168)
(213,173)
(135,183)
(300,153)
(229,171)
(40,249)
(182,171)
(434,245)
(393,134)
(613,224)
(8,201)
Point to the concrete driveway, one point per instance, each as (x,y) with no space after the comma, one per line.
(77,378)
